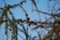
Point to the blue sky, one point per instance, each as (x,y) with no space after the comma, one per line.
(19,14)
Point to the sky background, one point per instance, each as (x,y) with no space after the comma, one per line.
(19,14)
